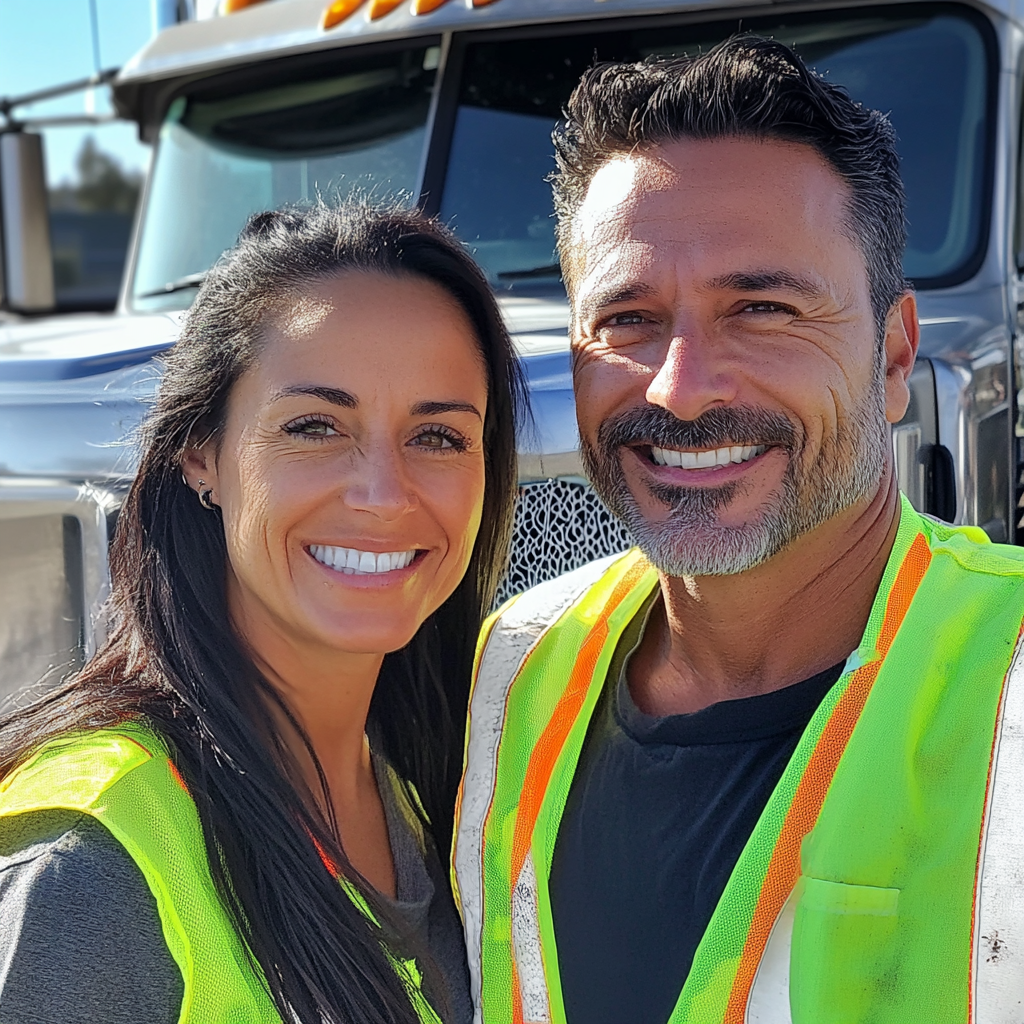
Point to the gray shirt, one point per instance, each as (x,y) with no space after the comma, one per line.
(81,940)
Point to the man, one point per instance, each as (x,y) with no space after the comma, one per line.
(767,767)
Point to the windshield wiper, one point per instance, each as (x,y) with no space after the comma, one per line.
(548,270)
(177,285)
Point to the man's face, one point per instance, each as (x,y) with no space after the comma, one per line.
(731,391)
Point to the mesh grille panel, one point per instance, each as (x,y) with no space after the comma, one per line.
(560,525)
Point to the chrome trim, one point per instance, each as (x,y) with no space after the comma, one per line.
(952,399)
(92,507)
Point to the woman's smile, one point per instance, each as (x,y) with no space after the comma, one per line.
(356,562)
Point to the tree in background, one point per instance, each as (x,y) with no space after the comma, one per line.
(90,224)
(102,184)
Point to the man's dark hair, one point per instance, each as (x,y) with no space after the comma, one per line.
(747,86)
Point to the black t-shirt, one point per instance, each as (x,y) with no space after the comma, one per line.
(658,814)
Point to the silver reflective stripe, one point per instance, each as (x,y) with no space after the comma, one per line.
(768,1002)
(999,924)
(526,946)
(512,638)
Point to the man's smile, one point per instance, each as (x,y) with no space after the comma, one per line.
(707,458)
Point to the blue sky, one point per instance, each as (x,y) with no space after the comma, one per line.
(45,42)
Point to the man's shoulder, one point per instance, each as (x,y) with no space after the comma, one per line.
(971,548)
(537,608)
(512,631)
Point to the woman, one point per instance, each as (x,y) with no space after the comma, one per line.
(196,826)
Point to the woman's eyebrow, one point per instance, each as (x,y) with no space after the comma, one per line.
(433,408)
(333,395)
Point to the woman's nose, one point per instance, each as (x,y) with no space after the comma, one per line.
(379,484)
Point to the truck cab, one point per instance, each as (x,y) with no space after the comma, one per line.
(450,105)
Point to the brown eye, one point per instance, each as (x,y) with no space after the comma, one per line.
(769,307)
(439,439)
(310,426)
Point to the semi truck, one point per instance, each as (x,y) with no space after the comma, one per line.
(450,104)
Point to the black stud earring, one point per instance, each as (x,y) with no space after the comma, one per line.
(205,496)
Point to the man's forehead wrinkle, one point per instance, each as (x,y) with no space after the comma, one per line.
(811,286)
(611,296)
(668,223)
(618,266)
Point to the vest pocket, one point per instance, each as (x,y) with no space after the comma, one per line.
(841,934)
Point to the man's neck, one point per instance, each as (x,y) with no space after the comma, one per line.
(721,638)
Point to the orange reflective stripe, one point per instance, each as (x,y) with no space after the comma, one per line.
(517,997)
(549,746)
(784,866)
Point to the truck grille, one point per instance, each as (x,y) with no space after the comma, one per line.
(560,525)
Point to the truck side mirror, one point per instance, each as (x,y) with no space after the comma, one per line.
(26,283)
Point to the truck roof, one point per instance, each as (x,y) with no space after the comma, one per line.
(282,28)
(286,27)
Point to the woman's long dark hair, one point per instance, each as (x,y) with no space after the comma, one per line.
(173,660)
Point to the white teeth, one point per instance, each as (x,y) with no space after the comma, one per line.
(707,458)
(351,561)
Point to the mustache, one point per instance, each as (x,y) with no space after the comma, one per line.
(717,428)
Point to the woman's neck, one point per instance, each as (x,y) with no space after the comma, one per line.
(328,693)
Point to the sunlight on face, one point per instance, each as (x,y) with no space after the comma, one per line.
(351,467)
(731,390)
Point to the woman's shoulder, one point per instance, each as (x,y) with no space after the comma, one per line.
(79,928)
(123,779)
(73,772)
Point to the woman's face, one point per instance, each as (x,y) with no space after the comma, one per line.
(351,468)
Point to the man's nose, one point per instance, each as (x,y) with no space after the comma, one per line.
(379,484)
(692,379)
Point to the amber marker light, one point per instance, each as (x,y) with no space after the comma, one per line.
(426,6)
(339,11)
(378,8)
(483,3)
(233,6)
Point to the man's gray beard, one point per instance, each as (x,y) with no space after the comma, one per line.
(690,541)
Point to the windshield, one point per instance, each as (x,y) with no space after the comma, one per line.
(223,157)
(927,71)
(358,122)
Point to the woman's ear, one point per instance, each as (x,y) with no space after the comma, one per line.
(199,468)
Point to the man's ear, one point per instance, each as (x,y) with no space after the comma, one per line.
(199,468)
(902,336)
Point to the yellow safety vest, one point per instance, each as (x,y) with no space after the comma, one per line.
(884,881)
(126,781)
